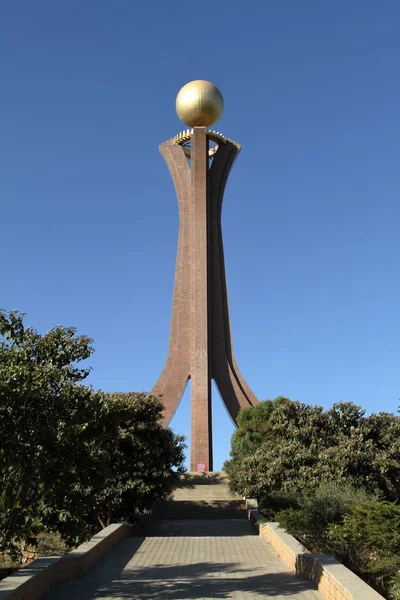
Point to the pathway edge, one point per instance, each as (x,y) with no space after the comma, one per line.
(36,579)
(330,577)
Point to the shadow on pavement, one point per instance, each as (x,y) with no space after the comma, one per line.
(200,528)
(100,576)
(202,580)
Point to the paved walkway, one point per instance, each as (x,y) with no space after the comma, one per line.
(191,560)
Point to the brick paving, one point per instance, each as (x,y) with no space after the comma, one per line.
(191,559)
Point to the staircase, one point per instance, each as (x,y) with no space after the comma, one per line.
(198,545)
(203,496)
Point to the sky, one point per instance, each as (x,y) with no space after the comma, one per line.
(89,218)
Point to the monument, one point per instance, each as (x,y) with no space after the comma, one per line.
(200,346)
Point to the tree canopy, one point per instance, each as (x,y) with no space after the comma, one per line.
(286,445)
(72,457)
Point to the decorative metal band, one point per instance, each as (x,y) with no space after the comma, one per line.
(185,136)
(216,136)
(183,139)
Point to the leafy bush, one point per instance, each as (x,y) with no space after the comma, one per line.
(394,587)
(360,531)
(279,501)
(310,521)
(288,446)
(72,459)
(368,542)
(136,456)
(50,544)
(320,473)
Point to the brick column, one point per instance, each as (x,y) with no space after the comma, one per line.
(201,446)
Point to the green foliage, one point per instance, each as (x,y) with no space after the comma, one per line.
(123,472)
(277,501)
(45,419)
(289,446)
(320,473)
(360,531)
(310,520)
(50,544)
(252,427)
(368,542)
(138,459)
(394,587)
(71,457)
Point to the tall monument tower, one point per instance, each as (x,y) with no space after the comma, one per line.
(200,345)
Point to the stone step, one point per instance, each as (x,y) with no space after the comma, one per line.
(202,509)
(208,486)
(203,496)
(198,528)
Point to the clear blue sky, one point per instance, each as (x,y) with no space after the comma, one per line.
(89,219)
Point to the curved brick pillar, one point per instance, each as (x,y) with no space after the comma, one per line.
(172,381)
(234,391)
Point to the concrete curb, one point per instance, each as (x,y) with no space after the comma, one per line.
(332,579)
(39,577)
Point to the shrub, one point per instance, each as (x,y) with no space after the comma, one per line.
(285,445)
(329,504)
(368,542)
(72,459)
(50,544)
(394,587)
(360,531)
(279,501)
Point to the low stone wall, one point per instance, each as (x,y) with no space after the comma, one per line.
(332,579)
(39,577)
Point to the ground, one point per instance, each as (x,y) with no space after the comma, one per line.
(191,559)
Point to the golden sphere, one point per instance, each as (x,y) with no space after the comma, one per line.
(199,103)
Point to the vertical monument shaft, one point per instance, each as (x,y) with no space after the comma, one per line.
(201,451)
(200,346)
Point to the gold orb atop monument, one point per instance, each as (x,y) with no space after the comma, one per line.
(199,103)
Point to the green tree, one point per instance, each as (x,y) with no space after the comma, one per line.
(139,460)
(330,477)
(295,447)
(67,452)
(44,412)
(252,426)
